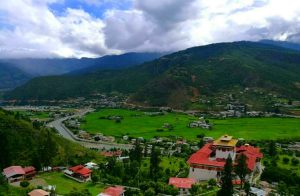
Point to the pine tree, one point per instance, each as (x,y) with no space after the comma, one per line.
(226,179)
(241,169)
(272,149)
(154,162)
(136,153)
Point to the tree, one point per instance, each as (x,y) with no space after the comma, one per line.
(212,182)
(136,153)
(226,179)
(285,160)
(154,162)
(95,178)
(247,188)
(150,192)
(195,190)
(272,148)
(241,169)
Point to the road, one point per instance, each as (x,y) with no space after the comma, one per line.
(66,133)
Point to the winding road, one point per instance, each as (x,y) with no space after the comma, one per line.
(66,133)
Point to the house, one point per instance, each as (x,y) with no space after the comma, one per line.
(209,161)
(183,184)
(117,153)
(113,191)
(79,173)
(38,192)
(17,173)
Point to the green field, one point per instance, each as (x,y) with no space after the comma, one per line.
(64,185)
(138,124)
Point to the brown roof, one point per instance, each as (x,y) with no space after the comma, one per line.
(38,192)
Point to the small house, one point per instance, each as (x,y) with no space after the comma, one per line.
(79,173)
(38,192)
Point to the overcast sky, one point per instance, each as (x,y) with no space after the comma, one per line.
(91,28)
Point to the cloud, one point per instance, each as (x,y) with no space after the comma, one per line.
(29,28)
(37,32)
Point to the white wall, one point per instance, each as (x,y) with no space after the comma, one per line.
(224,154)
(202,174)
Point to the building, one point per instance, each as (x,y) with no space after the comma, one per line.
(113,191)
(38,192)
(79,173)
(209,161)
(183,184)
(257,192)
(17,173)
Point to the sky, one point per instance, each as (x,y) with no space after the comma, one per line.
(93,28)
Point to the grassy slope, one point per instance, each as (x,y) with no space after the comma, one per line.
(145,126)
(64,185)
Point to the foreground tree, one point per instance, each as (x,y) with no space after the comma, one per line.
(241,169)
(226,179)
(154,163)
(136,153)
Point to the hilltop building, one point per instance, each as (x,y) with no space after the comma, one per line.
(209,161)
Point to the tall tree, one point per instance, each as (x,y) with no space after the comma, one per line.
(272,148)
(226,179)
(136,153)
(154,163)
(247,188)
(241,169)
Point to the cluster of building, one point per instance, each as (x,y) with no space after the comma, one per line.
(208,162)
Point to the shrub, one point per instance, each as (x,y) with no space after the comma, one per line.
(24,183)
(295,161)
(285,160)
(212,182)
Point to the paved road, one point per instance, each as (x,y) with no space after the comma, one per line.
(66,133)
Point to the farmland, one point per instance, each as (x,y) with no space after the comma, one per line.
(140,124)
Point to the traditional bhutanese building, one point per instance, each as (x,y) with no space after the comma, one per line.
(209,161)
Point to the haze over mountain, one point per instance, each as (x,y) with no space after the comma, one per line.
(284,44)
(177,78)
(14,72)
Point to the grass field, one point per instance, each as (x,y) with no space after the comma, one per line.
(64,185)
(137,123)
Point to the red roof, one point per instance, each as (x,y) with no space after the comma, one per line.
(182,182)
(80,169)
(201,157)
(251,153)
(29,169)
(236,182)
(114,191)
(13,170)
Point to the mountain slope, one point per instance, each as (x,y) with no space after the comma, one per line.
(46,67)
(10,76)
(284,44)
(177,78)
(23,144)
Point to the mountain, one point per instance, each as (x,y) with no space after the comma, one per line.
(11,77)
(46,67)
(185,76)
(284,44)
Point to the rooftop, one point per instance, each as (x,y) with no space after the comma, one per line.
(13,170)
(182,182)
(38,192)
(113,191)
(225,140)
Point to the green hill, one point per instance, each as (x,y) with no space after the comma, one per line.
(184,77)
(22,144)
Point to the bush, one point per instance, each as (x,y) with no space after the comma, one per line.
(24,184)
(212,182)
(159,130)
(285,160)
(295,161)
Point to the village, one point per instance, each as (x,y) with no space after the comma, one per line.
(201,170)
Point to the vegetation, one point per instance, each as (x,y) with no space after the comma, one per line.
(24,145)
(179,78)
(137,123)
(226,179)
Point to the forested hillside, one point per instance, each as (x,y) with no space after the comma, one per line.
(25,145)
(176,79)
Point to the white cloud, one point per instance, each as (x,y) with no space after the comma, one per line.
(28,28)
